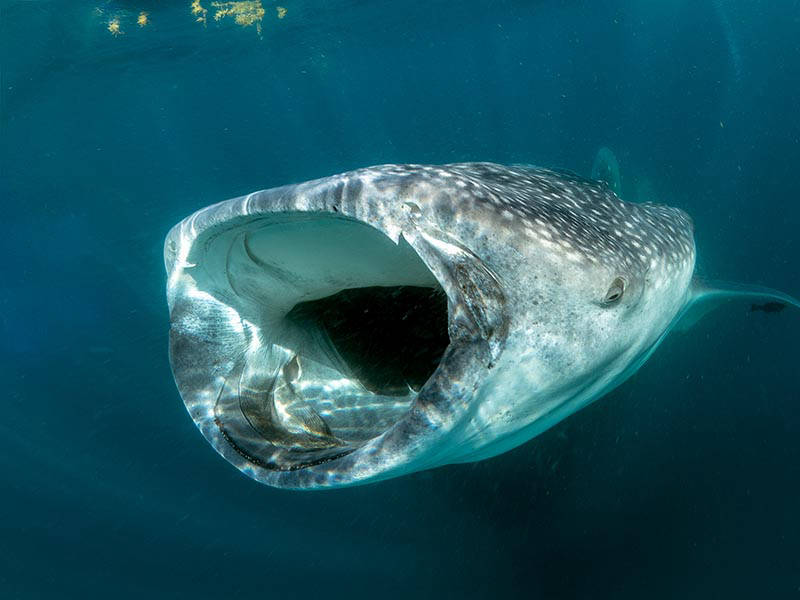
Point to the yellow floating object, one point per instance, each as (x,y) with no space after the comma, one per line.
(199,11)
(113,26)
(244,12)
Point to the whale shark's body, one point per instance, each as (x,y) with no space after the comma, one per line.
(400,317)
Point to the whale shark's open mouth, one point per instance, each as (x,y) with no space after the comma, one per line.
(333,332)
(338,329)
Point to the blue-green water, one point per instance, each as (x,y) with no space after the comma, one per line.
(684,482)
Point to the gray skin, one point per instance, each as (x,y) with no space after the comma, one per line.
(556,290)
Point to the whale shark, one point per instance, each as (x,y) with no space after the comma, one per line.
(402,317)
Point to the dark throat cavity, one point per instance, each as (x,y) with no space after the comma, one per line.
(391,338)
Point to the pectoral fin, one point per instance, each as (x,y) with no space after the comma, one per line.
(705,296)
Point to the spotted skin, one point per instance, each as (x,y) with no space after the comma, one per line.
(581,216)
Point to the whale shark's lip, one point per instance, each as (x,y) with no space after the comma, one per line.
(258,372)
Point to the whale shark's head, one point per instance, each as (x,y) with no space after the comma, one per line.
(400,317)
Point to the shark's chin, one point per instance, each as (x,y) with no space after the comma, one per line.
(313,350)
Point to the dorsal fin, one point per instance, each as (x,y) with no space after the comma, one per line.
(705,296)
(606,168)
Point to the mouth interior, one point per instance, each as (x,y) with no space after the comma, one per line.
(348,327)
(391,338)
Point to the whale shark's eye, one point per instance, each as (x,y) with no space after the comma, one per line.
(615,291)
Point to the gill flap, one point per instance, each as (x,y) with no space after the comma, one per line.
(264,419)
(477,304)
(705,296)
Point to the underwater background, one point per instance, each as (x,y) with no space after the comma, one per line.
(118,119)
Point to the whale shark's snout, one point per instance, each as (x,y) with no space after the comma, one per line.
(401,317)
